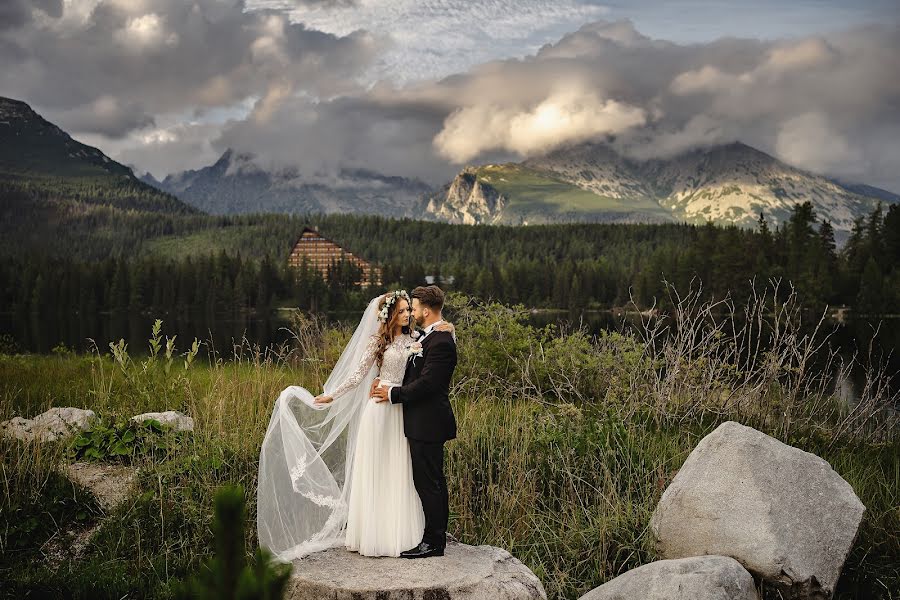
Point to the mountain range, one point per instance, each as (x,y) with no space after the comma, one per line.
(234,184)
(731,183)
(590,182)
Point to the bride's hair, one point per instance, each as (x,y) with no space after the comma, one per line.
(386,329)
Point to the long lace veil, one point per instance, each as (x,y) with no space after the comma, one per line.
(306,458)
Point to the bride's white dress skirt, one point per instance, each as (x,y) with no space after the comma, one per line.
(385,514)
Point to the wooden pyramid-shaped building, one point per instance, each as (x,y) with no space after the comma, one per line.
(321,254)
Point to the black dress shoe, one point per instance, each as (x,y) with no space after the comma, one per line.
(423,550)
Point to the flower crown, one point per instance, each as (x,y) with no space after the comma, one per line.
(391,299)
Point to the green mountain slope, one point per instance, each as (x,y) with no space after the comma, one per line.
(517,194)
(530,192)
(42,161)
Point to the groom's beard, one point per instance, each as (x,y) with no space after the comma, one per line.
(419,320)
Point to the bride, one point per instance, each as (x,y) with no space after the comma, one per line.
(335,469)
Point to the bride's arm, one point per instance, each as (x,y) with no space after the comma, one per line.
(356,377)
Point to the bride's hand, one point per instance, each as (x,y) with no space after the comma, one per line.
(446,327)
(323,399)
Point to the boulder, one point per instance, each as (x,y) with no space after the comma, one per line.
(783,513)
(51,425)
(695,578)
(464,572)
(172,418)
(18,428)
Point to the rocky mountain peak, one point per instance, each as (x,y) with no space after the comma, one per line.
(467,199)
(728,184)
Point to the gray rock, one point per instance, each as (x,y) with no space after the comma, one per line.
(695,578)
(51,425)
(463,573)
(18,428)
(781,512)
(172,418)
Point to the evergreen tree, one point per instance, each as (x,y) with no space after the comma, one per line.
(870,297)
(119,292)
(228,576)
(891,236)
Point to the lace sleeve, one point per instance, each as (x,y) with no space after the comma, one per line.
(365,364)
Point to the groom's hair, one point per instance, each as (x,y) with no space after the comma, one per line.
(430,295)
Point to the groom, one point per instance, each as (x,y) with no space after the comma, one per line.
(428,419)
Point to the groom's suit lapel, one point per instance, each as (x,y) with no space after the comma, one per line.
(413,367)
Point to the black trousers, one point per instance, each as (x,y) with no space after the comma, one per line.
(428,477)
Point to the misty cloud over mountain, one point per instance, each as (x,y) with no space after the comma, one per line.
(174,84)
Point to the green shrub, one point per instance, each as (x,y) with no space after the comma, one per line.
(227,576)
(124,441)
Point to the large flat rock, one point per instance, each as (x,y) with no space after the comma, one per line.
(781,512)
(696,578)
(464,572)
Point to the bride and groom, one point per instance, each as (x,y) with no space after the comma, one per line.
(362,465)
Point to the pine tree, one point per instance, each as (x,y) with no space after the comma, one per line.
(228,576)
(826,272)
(119,288)
(874,228)
(891,236)
(870,297)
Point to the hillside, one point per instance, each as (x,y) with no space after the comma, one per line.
(517,194)
(43,162)
(729,184)
(63,198)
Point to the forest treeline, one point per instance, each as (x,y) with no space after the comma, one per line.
(241,266)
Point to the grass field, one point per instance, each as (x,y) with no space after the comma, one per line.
(531,191)
(566,442)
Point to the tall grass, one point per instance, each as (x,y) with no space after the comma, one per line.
(566,440)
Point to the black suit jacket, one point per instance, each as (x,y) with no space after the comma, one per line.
(427,415)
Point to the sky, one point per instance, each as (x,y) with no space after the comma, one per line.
(420,88)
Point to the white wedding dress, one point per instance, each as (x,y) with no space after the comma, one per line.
(340,474)
(385,514)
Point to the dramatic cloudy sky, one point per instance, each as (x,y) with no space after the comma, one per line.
(420,87)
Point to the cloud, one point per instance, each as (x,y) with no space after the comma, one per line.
(16,13)
(107,115)
(162,149)
(135,60)
(824,103)
(435,38)
(169,85)
(812,143)
(564,117)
